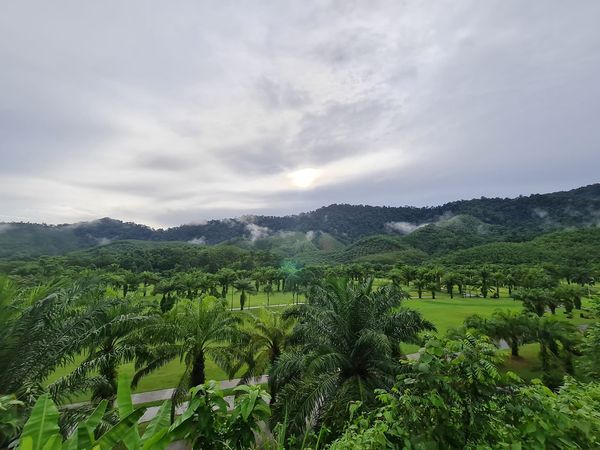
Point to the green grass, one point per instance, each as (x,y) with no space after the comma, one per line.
(445,313)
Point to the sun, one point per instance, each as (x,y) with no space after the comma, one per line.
(304,178)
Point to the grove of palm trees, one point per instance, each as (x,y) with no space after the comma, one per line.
(336,352)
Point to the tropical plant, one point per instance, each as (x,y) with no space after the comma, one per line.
(261,342)
(509,326)
(47,333)
(534,300)
(348,342)
(191,331)
(114,339)
(558,341)
(10,418)
(41,431)
(454,397)
(244,286)
(589,363)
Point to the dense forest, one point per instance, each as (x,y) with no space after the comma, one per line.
(434,230)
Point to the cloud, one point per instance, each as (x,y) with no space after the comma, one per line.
(403,227)
(4,227)
(256,231)
(389,102)
(198,241)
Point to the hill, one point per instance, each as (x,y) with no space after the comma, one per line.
(431,230)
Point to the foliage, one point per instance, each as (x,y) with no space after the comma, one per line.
(206,423)
(191,331)
(347,344)
(453,397)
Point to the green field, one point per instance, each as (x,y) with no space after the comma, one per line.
(445,313)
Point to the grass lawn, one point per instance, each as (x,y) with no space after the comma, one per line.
(445,313)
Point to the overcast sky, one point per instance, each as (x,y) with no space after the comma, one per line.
(172,112)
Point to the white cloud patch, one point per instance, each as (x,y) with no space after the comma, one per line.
(256,231)
(4,227)
(103,240)
(198,241)
(403,227)
(540,213)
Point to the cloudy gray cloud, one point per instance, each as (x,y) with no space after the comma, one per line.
(169,114)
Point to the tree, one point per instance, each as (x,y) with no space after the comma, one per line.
(454,397)
(261,343)
(225,277)
(420,284)
(348,341)
(146,279)
(450,280)
(47,331)
(191,331)
(268,289)
(114,339)
(589,363)
(512,327)
(431,286)
(558,341)
(569,295)
(408,274)
(534,300)
(499,279)
(244,286)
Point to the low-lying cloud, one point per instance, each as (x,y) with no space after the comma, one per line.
(257,232)
(403,227)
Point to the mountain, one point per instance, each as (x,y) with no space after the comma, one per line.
(327,231)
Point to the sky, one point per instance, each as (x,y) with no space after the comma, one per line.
(167,113)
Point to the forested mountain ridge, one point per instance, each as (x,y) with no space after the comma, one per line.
(433,230)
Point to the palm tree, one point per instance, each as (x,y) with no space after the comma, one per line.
(498,278)
(225,277)
(348,343)
(534,300)
(244,286)
(192,331)
(148,278)
(268,289)
(262,341)
(450,280)
(408,274)
(431,286)
(558,339)
(420,284)
(512,327)
(484,281)
(43,330)
(114,340)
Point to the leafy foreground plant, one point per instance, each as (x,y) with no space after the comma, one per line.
(206,423)
(453,397)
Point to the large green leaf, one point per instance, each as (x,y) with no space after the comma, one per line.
(160,421)
(125,405)
(42,423)
(124,396)
(120,431)
(83,436)
(159,440)
(54,443)
(26,443)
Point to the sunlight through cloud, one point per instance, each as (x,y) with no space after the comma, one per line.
(304,178)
